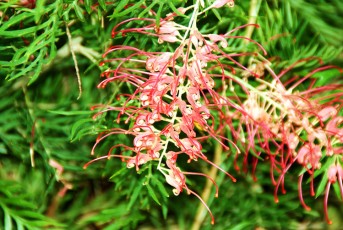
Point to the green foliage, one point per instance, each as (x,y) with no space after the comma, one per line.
(29,39)
(19,212)
(289,26)
(44,125)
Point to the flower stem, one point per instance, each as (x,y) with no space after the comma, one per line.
(253,12)
(201,212)
(75,62)
(192,21)
(264,95)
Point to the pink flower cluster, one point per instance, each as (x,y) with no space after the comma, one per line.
(295,127)
(173,97)
(175,106)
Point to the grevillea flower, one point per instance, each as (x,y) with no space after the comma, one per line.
(176,104)
(28,3)
(221,3)
(174,95)
(335,171)
(309,155)
(300,126)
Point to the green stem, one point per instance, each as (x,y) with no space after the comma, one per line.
(253,12)
(201,212)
